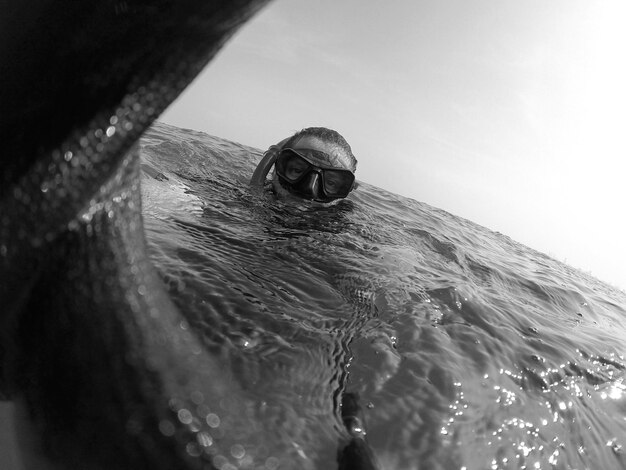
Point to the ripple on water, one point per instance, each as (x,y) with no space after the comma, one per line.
(468,349)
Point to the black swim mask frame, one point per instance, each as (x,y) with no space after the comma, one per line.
(306,173)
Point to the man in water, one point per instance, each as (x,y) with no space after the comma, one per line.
(315,164)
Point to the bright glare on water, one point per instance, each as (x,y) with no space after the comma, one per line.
(468,350)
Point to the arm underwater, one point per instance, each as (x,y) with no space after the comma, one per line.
(90,349)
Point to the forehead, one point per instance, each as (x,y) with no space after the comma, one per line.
(337,156)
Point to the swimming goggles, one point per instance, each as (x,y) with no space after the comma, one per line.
(296,165)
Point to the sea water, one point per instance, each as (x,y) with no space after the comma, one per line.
(468,350)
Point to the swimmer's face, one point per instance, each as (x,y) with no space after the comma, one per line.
(334,157)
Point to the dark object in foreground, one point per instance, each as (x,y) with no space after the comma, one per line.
(91,349)
(356,455)
(90,346)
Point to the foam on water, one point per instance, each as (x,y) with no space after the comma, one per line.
(469,349)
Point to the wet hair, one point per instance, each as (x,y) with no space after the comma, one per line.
(327,135)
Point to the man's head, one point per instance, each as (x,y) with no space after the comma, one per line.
(331,140)
(316,163)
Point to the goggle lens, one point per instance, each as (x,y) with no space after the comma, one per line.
(294,166)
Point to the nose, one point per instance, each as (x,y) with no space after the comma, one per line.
(314,185)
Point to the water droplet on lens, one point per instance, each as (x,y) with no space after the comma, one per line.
(185,416)
(167,428)
(213,420)
(197,397)
(193,449)
(237,451)
(271,463)
(204,439)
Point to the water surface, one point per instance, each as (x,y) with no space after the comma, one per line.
(468,350)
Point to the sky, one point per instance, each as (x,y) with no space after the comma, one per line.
(508,113)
